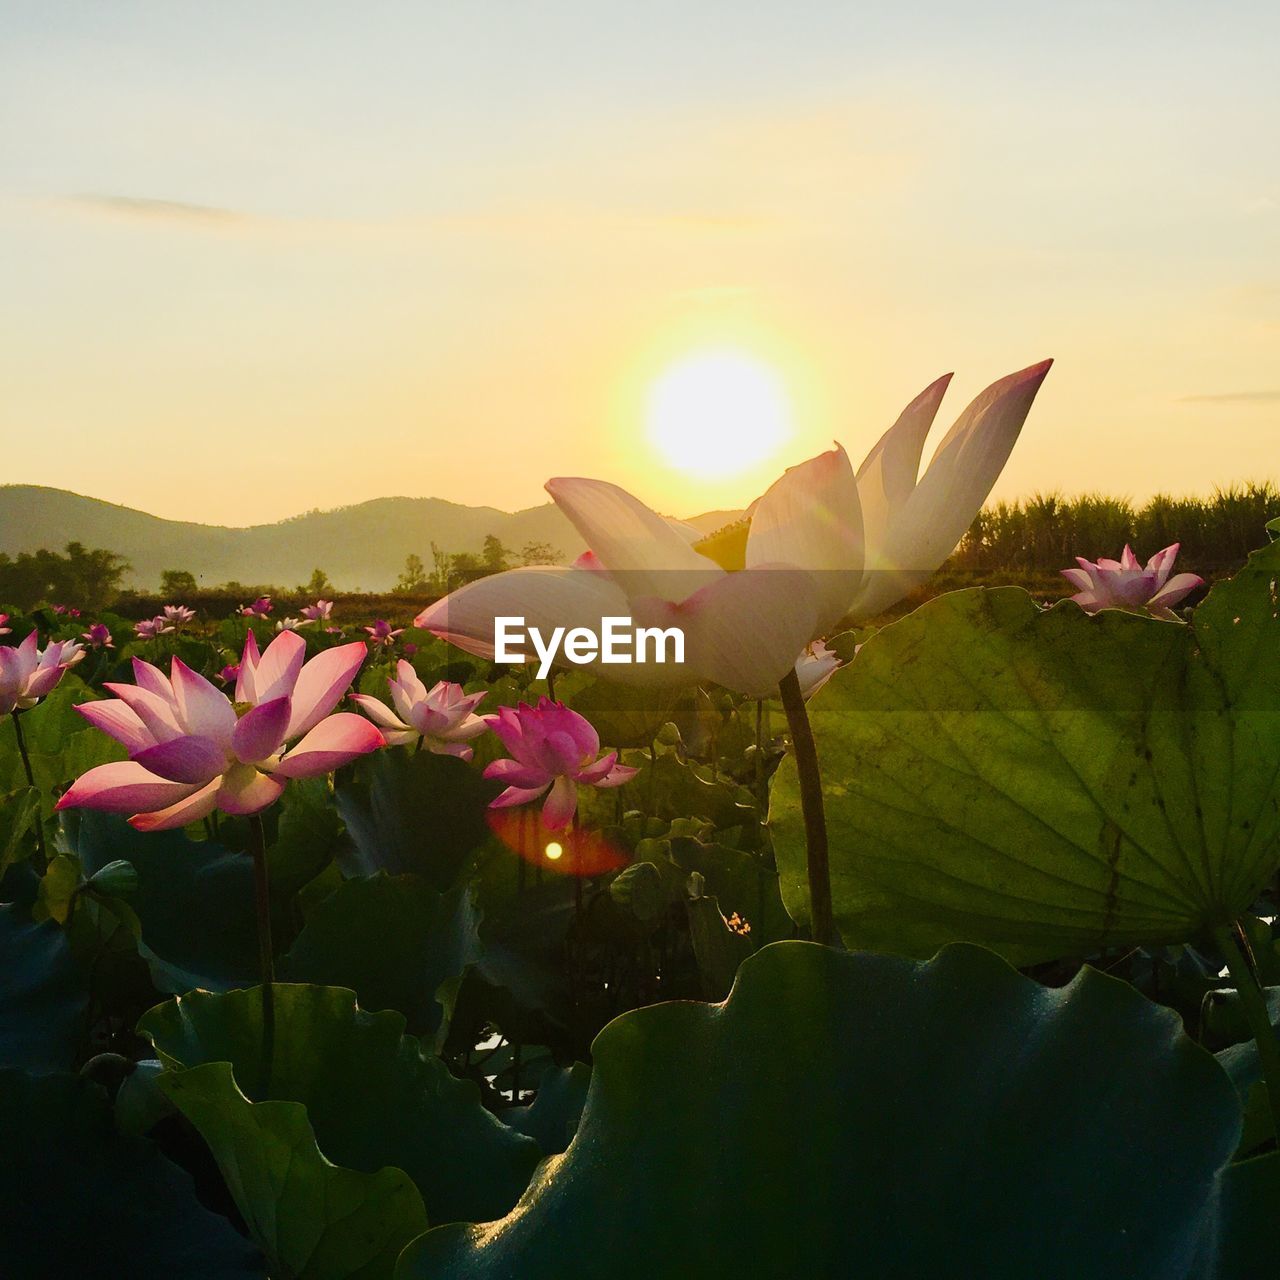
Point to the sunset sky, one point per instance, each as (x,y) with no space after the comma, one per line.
(257,258)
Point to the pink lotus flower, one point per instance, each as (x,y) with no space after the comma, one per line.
(821,544)
(408,648)
(816,666)
(27,673)
(98,636)
(1125,584)
(381,633)
(230,673)
(192,750)
(441,717)
(552,748)
(150,628)
(292,624)
(179,615)
(4,630)
(260,608)
(321,611)
(66,611)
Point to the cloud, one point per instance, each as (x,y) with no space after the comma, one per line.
(1234,397)
(141,207)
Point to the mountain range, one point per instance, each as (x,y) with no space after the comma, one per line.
(361,547)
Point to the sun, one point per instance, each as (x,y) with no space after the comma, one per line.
(718,412)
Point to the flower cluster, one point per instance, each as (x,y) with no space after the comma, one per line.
(1126,584)
(193,750)
(28,672)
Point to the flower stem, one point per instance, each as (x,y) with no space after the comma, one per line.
(31,780)
(266,962)
(1253,1001)
(821,916)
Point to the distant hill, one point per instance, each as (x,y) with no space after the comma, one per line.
(362,547)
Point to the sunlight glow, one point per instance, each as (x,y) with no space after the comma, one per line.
(718,412)
(553,850)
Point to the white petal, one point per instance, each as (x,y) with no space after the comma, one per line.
(811,518)
(645,555)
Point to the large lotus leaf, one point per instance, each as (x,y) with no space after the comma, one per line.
(861,1115)
(43,994)
(194,900)
(313,1221)
(373,1097)
(1046,782)
(552,1117)
(79,1199)
(19,812)
(1242,1243)
(393,939)
(422,813)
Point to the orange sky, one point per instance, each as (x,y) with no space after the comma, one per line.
(257,264)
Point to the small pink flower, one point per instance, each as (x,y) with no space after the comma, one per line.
(150,628)
(4,630)
(179,615)
(441,717)
(816,665)
(27,673)
(408,648)
(66,611)
(321,611)
(260,608)
(192,749)
(1125,584)
(230,673)
(98,636)
(382,634)
(552,748)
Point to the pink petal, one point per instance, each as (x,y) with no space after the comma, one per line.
(811,518)
(645,555)
(123,787)
(156,713)
(1078,578)
(192,809)
(517,795)
(246,683)
(561,804)
(515,774)
(152,679)
(442,748)
(260,731)
(1176,589)
(597,771)
(115,718)
(188,759)
(247,790)
(201,706)
(321,684)
(380,713)
(278,668)
(335,741)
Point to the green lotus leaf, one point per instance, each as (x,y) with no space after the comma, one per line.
(849,1114)
(1045,782)
(373,1098)
(194,901)
(393,939)
(312,1220)
(77,1198)
(43,994)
